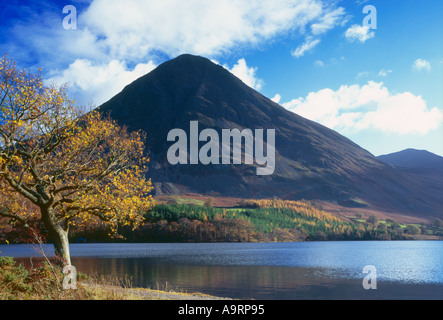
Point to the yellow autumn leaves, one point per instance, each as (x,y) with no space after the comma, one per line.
(80,167)
(298,206)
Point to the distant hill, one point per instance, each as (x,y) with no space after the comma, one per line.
(312,161)
(412,158)
(422,167)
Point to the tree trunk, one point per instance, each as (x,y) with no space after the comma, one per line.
(61,246)
(58,235)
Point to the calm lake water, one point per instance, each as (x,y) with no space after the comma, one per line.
(302,270)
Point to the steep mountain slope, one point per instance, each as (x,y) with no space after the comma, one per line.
(312,161)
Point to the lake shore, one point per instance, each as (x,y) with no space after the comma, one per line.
(151,294)
(43,281)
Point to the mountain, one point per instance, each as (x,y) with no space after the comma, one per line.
(311,161)
(412,158)
(422,167)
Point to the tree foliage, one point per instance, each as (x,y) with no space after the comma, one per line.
(63,166)
(258,220)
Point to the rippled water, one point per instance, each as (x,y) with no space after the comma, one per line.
(302,270)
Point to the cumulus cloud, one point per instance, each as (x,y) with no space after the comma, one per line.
(244,73)
(354,108)
(421,64)
(100,81)
(247,74)
(201,27)
(112,34)
(359,33)
(276,98)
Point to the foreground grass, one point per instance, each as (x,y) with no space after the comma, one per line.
(44,282)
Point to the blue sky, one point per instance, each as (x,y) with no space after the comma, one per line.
(382,87)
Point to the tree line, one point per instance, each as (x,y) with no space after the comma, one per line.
(255,221)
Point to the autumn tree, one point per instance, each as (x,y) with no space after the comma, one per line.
(63,166)
(372,220)
(411,229)
(209,202)
(437,223)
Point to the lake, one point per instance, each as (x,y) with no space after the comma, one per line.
(301,270)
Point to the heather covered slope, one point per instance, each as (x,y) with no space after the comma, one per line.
(312,161)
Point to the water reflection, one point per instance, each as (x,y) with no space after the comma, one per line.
(257,282)
(309,270)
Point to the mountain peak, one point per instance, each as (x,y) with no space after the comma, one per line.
(187,65)
(413,158)
(311,161)
(187,57)
(187,61)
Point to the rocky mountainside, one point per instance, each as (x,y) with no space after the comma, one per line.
(311,161)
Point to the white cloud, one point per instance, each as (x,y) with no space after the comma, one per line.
(244,73)
(384,73)
(113,34)
(329,20)
(276,98)
(358,32)
(421,64)
(362,74)
(319,63)
(99,82)
(247,74)
(308,45)
(354,108)
(135,28)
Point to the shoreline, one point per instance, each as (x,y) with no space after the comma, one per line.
(152,294)
(413,238)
